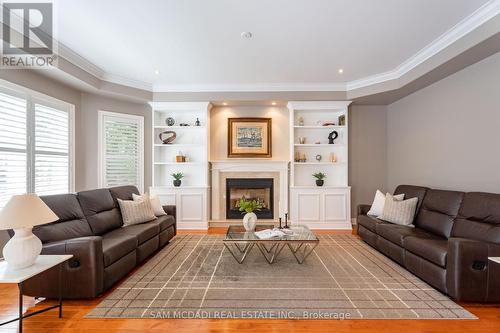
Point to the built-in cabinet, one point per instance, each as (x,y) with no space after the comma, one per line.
(311,125)
(190,126)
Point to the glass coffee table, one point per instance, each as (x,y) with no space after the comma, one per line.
(240,242)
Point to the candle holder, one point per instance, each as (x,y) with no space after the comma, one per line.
(286,221)
(280,227)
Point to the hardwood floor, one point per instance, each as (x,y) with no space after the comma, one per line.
(74,312)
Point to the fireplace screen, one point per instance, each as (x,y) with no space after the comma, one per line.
(260,189)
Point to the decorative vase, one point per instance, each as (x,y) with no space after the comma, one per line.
(320,182)
(250,221)
(177,182)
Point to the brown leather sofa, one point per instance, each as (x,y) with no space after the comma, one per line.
(454,234)
(90,228)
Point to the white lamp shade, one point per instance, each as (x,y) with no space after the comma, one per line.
(25,211)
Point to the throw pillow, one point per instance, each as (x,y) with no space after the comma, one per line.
(378,203)
(155,203)
(136,212)
(399,212)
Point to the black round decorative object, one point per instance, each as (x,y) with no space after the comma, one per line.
(333,135)
(177,182)
(170,121)
(320,182)
(168,139)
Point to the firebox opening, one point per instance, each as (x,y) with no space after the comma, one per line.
(260,189)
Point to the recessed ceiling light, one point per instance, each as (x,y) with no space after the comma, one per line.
(157,72)
(341,71)
(224,103)
(273,103)
(246,34)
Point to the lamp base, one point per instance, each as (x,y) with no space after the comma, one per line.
(22,250)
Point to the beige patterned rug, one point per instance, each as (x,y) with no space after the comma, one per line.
(196,277)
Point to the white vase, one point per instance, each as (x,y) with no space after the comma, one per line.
(249,221)
(22,250)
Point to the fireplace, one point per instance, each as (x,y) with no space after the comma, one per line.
(261,189)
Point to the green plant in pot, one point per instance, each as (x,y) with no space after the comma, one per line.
(248,207)
(177,178)
(320,178)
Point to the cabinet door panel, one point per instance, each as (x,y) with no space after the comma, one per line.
(335,205)
(308,207)
(191,206)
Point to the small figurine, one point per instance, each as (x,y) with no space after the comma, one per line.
(301,121)
(197,123)
(332,136)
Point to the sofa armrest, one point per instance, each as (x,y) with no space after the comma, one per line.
(470,276)
(363,209)
(82,275)
(170,210)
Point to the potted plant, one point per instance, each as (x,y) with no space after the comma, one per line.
(320,176)
(177,178)
(248,207)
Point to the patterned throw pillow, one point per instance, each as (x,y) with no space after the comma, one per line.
(379,201)
(136,212)
(155,203)
(399,212)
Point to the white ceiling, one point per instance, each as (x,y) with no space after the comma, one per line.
(197,43)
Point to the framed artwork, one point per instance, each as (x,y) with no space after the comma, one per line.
(249,137)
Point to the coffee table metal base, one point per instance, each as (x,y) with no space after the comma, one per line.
(270,250)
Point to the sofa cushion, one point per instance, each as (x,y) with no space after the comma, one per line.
(479,218)
(102,214)
(438,211)
(142,232)
(71,223)
(431,249)
(369,222)
(117,244)
(412,191)
(397,233)
(123,192)
(164,222)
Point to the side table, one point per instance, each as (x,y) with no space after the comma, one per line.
(42,263)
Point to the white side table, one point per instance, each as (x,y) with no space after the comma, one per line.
(42,263)
(495,259)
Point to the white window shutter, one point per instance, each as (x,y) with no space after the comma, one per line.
(52,149)
(121,150)
(13,147)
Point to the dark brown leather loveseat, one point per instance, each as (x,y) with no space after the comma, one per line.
(454,234)
(90,228)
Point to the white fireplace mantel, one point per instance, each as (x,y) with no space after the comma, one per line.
(247,167)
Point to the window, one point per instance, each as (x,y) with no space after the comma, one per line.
(35,144)
(121,150)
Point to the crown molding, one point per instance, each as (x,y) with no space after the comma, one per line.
(488,11)
(482,15)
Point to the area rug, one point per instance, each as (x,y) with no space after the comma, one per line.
(196,277)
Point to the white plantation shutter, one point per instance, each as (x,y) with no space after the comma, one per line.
(121,149)
(35,146)
(13,147)
(52,145)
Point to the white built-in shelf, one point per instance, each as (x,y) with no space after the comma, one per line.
(319,127)
(166,127)
(179,145)
(319,145)
(180,163)
(320,163)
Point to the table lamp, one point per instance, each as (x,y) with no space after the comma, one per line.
(21,213)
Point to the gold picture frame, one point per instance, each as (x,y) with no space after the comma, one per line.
(249,137)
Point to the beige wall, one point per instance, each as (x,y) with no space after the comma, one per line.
(280,129)
(87,137)
(367,152)
(447,135)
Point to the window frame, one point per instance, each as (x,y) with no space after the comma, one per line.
(33,97)
(102,151)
